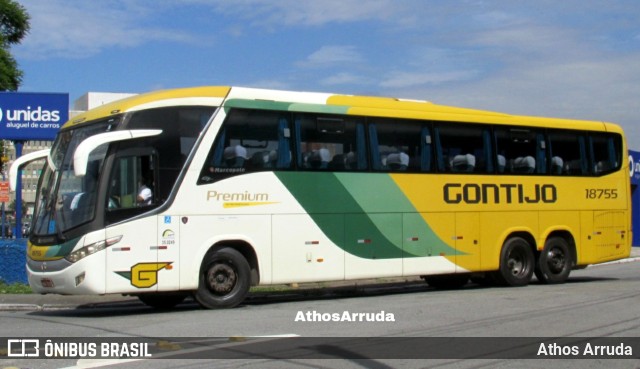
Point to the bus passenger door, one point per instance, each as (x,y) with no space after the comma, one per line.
(132,263)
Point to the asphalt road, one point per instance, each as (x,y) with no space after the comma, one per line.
(602,301)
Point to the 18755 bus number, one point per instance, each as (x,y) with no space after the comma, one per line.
(601,193)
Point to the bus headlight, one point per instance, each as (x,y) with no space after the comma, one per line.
(92,249)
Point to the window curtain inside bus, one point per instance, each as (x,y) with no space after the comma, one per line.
(439,153)
(219,149)
(541,155)
(361,148)
(612,152)
(298,138)
(583,155)
(375,151)
(425,149)
(488,152)
(284,145)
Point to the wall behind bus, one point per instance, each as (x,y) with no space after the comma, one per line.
(13,261)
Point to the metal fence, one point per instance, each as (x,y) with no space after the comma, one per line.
(13,261)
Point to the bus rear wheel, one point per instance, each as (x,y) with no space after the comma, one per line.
(516,263)
(224,279)
(554,263)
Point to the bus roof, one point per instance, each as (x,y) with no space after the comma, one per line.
(325,103)
(183,96)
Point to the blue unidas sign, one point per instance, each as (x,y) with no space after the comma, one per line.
(634,167)
(32,116)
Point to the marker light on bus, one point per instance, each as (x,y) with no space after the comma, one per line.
(92,249)
(80,278)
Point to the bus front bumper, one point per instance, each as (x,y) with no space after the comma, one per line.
(85,277)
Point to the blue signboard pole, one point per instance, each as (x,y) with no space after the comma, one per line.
(4,219)
(18,231)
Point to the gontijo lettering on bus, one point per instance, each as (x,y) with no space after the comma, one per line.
(472,193)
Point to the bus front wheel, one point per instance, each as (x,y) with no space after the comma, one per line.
(516,263)
(225,279)
(554,262)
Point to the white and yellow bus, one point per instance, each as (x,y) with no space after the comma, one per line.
(248,187)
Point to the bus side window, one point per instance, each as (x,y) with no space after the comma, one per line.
(605,152)
(398,145)
(463,148)
(520,151)
(133,184)
(249,141)
(330,142)
(568,148)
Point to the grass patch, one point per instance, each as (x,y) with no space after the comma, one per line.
(14,288)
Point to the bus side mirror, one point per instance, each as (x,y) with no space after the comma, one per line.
(81,155)
(22,161)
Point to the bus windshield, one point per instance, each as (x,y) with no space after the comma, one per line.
(66,200)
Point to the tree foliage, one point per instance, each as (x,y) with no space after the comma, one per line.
(14,26)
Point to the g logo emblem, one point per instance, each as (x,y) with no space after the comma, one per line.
(145,275)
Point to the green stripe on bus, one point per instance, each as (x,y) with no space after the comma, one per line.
(316,108)
(285,106)
(367,215)
(62,249)
(256,104)
(379,193)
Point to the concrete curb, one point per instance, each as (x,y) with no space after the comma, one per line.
(621,261)
(62,306)
(20,307)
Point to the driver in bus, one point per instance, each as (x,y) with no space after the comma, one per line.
(144,193)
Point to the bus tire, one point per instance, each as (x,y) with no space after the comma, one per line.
(517,263)
(554,263)
(225,279)
(162,300)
